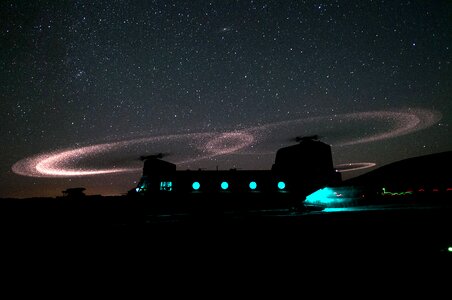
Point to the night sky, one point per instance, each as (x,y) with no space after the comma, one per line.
(89,86)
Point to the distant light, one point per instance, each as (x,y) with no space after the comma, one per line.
(281,185)
(253,185)
(137,189)
(449,249)
(224,185)
(196,185)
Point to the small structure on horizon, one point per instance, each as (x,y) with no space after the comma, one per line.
(77,192)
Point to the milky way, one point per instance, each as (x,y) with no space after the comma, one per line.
(117,156)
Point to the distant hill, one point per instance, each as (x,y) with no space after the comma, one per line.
(433,170)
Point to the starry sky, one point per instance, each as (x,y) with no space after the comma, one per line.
(92,85)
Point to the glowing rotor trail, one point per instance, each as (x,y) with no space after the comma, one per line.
(354,166)
(61,163)
(400,123)
(224,144)
(197,146)
(405,122)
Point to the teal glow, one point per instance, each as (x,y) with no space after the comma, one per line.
(142,188)
(253,185)
(324,196)
(166,186)
(335,197)
(281,185)
(196,185)
(224,185)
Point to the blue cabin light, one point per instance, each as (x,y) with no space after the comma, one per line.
(281,185)
(224,185)
(196,185)
(166,186)
(253,185)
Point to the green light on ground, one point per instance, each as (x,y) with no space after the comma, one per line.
(384,193)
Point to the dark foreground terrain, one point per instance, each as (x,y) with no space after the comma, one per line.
(135,227)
